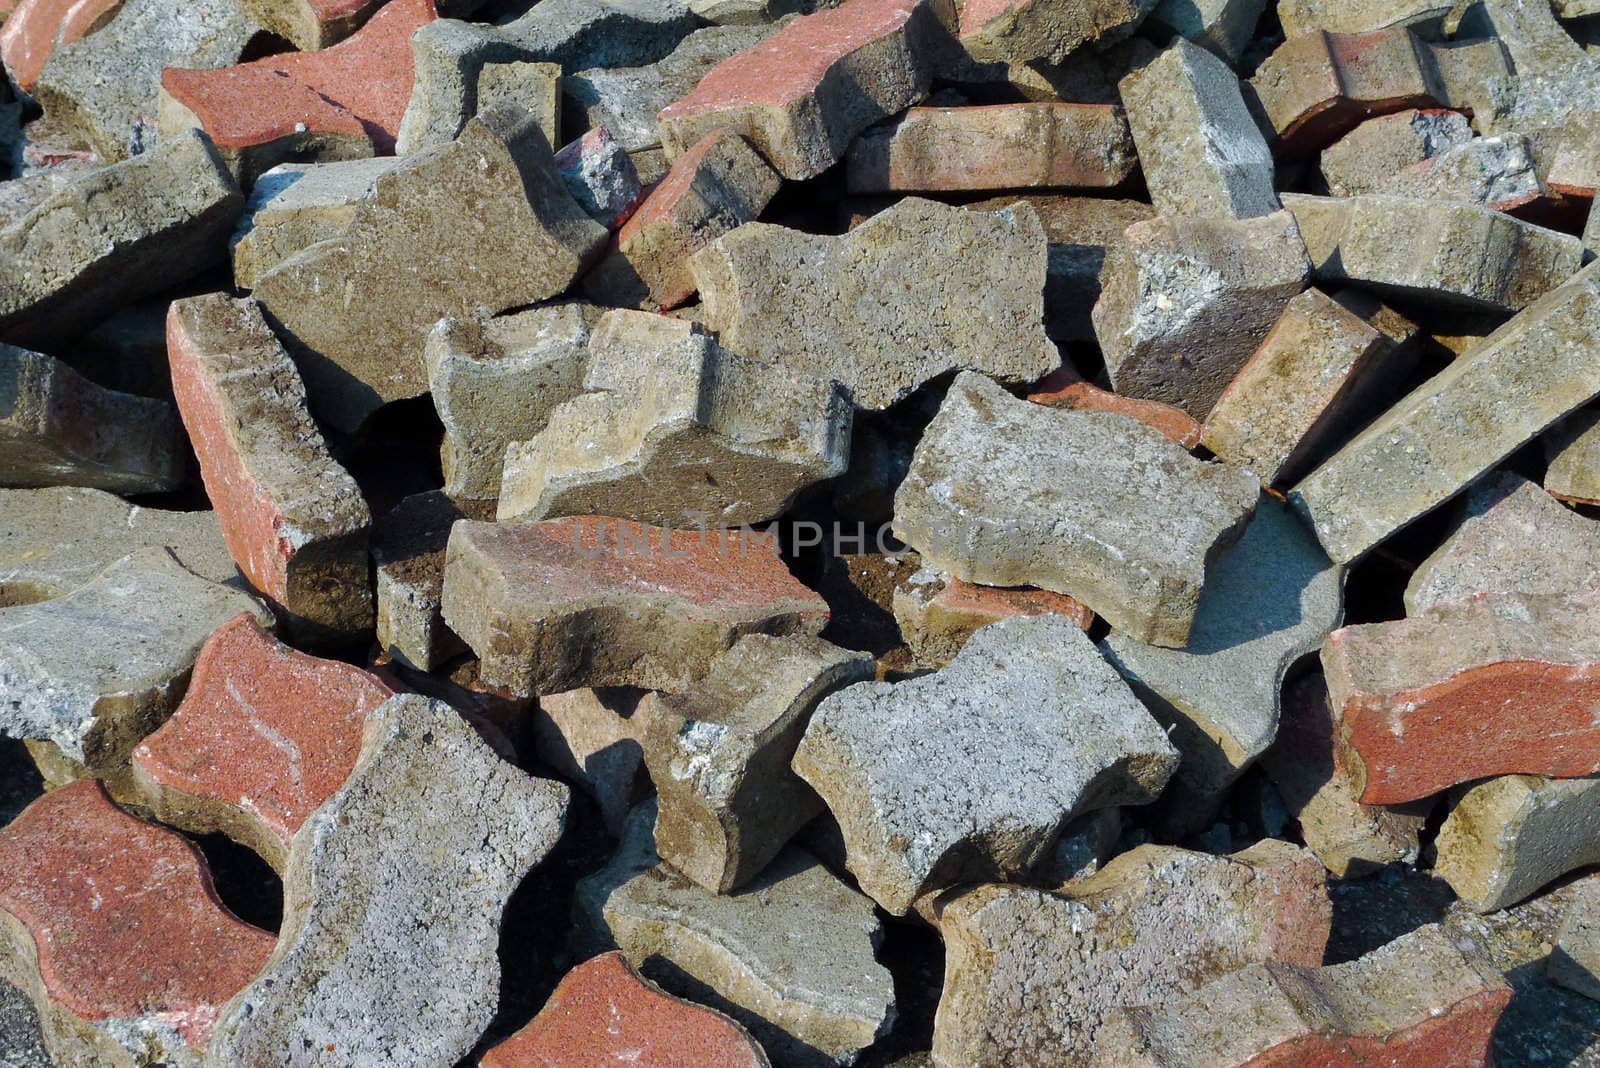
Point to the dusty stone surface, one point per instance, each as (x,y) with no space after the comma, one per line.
(264,736)
(1419,999)
(717,185)
(497,381)
(809,1001)
(1458,424)
(462,68)
(21,1043)
(1575,962)
(1356,16)
(1372,154)
(60,429)
(295,205)
(626,100)
(1223,27)
(114,236)
(594,601)
(727,801)
(294,520)
(678,431)
(801,300)
(36,28)
(1491,685)
(311,25)
(103,90)
(1008,493)
(604,1010)
(483,222)
(1186,301)
(95,671)
(594,737)
(1512,538)
(1571,447)
(802,94)
(1199,146)
(1060,733)
(1459,253)
(343,102)
(1508,837)
(432,832)
(56,540)
(1031,976)
(600,175)
(114,929)
(408,545)
(1069,390)
(579,34)
(1329,363)
(1269,601)
(1495,172)
(937,613)
(1000,146)
(1022,31)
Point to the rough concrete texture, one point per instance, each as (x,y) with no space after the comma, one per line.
(408,547)
(600,175)
(1060,733)
(1031,976)
(1004,492)
(1000,146)
(265,734)
(56,540)
(1507,838)
(1492,685)
(594,601)
(1185,301)
(115,931)
(60,429)
(21,1040)
(496,381)
(1575,962)
(579,34)
(1023,31)
(1458,424)
(1512,538)
(483,222)
(818,304)
(727,801)
(1493,172)
(1080,231)
(801,95)
(1318,86)
(1434,250)
(678,431)
(1370,155)
(1199,146)
(937,614)
(103,90)
(626,100)
(1351,839)
(1222,27)
(344,102)
(95,671)
(311,25)
(430,834)
(719,184)
(295,205)
(1356,16)
(1067,389)
(1269,601)
(604,1010)
(593,738)
(293,518)
(114,236)
(1328,367)
(810,1001)
(462,68)
(1418,1000)
(1572,448)
(36,28)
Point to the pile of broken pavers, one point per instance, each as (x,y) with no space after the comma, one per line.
(1091,499)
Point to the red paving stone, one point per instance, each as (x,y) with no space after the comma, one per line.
(36,28)
(604,1013)
(1066,388)
(264,728)
(123,915)
(990,604)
